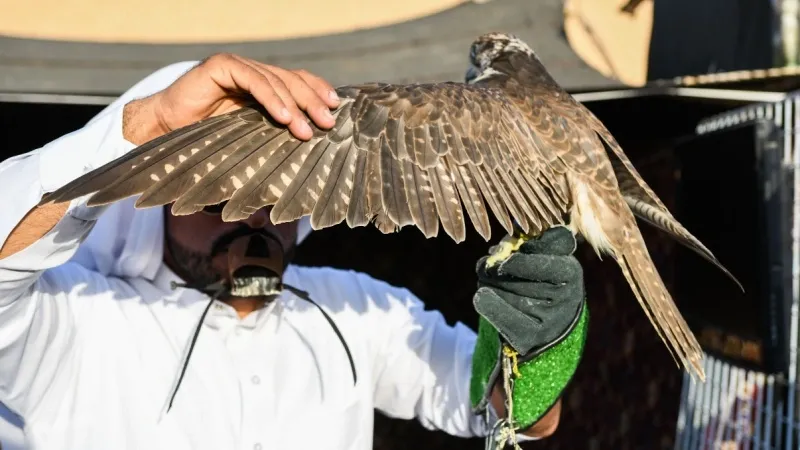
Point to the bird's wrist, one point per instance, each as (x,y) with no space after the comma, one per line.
(141,120)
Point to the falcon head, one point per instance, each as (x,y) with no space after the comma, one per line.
(488,48)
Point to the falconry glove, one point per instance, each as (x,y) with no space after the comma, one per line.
(532,310)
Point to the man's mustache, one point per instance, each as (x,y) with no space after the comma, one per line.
(223,242)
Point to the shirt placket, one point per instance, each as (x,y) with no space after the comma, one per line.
(249,342)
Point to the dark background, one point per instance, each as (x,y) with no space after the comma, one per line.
(703,36)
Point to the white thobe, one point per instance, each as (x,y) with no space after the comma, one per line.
(88,359)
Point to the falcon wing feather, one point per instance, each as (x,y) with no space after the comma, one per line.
(419,154)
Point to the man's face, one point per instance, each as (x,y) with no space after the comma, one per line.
(198,242)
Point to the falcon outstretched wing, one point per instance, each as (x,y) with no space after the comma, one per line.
(416,154)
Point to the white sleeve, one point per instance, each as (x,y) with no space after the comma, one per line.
(36,320)
(422,365)
(11,435)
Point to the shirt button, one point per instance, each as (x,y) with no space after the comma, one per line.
(257,446)
(255,380)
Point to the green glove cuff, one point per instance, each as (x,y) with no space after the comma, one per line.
(541,380)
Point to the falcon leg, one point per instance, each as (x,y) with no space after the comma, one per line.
(506,247)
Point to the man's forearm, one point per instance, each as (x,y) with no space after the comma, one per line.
(37,223)
(139,121)
(137,128)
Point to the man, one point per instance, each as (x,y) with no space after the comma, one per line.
(104,342)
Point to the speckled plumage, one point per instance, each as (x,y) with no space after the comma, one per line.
(511,141)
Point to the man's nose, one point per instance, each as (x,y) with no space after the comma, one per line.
(258,219)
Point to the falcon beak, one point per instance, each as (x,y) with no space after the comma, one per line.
(472,73)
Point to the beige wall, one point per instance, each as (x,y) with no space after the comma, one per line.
(614,43)
(182,21)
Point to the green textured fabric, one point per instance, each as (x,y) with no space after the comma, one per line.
(545,377)
(484,361)
(542,379)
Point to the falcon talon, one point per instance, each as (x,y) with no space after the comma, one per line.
(506,248)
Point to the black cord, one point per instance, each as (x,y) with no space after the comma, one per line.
(304,295)
(218,289)
(299,293)
(191,347)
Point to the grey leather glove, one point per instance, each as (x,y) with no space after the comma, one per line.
(534,297)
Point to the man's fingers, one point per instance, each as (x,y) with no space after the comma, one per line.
(325,91)
(307,91)
(297,123)
(519,330)
(233,74)
(558,240)
(306,97)
(284,94)
(539,291)
(526,323)
(547,268)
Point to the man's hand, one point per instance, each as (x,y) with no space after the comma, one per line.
(532,308)
(223,83)
(533,297)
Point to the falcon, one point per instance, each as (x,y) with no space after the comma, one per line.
(509,140)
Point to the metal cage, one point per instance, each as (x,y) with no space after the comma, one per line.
(750,399)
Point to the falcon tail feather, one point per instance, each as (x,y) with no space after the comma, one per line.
(648,287)
(609,226)
(669,225)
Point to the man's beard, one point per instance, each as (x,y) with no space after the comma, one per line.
(197,268)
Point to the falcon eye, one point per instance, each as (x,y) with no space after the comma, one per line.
(214,210)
